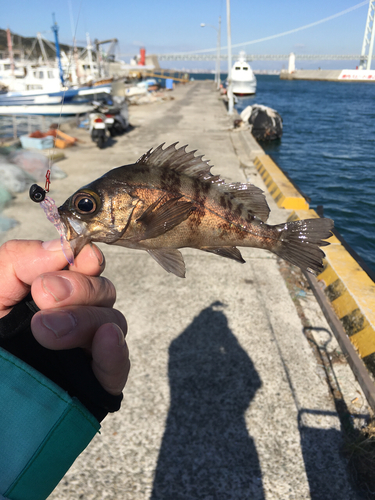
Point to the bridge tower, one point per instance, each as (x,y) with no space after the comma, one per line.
(368,39)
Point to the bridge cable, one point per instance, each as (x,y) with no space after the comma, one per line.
(346,11)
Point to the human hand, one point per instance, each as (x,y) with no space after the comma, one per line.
(75,304)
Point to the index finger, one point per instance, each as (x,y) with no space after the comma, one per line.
(21,261)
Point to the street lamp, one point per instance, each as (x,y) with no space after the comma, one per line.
(229,87)
(217,73)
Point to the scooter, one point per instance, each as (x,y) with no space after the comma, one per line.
(117,115)
(99,124)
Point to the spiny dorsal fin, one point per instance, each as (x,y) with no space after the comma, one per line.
(251,197)
(180,161)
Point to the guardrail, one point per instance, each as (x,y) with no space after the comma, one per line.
(16,125)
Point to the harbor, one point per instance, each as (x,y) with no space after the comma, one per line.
(237,382)
(252,376)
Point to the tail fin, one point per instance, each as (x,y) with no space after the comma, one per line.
(300,240)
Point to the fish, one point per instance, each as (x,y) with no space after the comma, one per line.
(169,199)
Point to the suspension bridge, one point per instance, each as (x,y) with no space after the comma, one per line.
(364,58)
(259,57)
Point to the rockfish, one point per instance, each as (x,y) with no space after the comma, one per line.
(169,199)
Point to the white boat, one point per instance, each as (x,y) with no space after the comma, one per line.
(32,77)
(38,90)
(35,89)
(7,73)
(243,78)
(73,101)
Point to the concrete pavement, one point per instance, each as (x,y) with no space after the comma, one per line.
(226,398)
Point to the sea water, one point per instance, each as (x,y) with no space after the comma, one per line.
(327,149)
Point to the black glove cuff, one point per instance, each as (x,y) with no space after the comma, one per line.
(70,369)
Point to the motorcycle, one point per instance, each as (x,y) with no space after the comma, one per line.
(99,125)
(117,115)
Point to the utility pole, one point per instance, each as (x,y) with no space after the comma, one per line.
(229,89)
(368,39)
(218,50)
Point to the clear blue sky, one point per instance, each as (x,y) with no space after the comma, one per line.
(174,26)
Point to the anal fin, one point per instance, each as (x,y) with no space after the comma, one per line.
(170,259)
(228,252)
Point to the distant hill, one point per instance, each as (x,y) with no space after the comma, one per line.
(25,43)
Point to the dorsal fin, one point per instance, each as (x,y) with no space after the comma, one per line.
(180,161)
(251,197)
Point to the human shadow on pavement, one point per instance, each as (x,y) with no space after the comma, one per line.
(206,452)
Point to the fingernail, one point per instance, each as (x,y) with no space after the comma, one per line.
(98,254)
(52,245)
(60,288)
(59,322)
(120,333)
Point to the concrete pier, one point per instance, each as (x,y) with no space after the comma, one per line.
(329,75)
(234,369)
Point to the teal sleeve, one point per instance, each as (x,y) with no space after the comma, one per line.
(42,431)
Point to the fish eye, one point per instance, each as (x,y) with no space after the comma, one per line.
(85,203)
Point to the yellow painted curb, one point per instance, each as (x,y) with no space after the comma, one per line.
(348,287)
(351,292)
(279,186)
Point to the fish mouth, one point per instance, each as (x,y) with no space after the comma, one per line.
(76,232)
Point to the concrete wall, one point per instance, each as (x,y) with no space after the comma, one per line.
(312,74)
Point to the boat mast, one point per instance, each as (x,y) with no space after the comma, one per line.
(89,53)
(76,76)
(10,50)
(76,61)
(55,29)
(42,49)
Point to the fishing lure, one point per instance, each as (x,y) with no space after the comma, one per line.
(38,195)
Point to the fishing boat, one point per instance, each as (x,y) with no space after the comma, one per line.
(43,89)
(73,101)
(243,78)
(9,73)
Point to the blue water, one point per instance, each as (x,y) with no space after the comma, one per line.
(328,149)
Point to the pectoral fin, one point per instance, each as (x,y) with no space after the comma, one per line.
(161,217)
(228,252)
(170,259)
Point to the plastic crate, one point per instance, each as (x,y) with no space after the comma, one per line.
(34,143)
